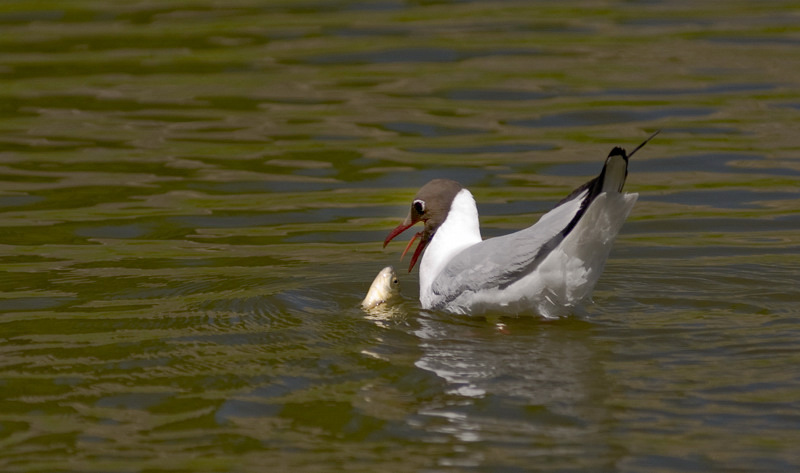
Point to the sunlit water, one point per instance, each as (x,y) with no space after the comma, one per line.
(193,199)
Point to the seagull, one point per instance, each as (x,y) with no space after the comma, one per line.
(549,268)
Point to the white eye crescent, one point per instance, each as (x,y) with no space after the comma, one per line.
(419,206)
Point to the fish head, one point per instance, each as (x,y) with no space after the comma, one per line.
(384,287)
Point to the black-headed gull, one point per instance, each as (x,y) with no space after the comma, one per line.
(549,268)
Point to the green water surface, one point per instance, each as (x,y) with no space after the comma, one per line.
(194,196)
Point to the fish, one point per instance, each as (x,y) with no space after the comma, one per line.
(385,287)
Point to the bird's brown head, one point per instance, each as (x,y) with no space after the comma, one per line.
(430,206)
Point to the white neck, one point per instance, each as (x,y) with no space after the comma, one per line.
(459,230)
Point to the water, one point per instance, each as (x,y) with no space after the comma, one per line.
(193,198)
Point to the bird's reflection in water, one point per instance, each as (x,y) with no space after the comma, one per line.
(518,377)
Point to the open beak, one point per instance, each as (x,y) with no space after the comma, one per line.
(423,241)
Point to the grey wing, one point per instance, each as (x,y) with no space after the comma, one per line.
(499,261)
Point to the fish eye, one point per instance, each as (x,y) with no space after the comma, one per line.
(395,281)
(419,206)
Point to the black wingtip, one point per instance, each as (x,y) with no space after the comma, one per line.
(644,143)
(617,151)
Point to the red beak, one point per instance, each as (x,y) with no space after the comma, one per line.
(423,242)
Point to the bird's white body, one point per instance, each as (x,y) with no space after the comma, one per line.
(549,268)
(559,284)
(460,231)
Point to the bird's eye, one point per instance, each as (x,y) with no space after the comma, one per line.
(419,206)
